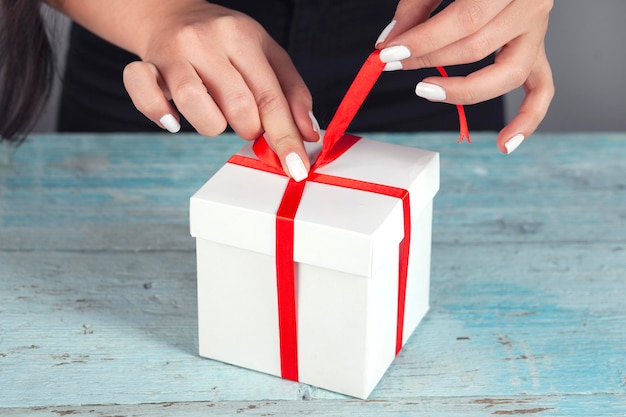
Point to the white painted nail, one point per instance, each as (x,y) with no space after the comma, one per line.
(316,126)
(296,167)
(394,53)
(386,31)
(513,143)
(393,66)
(430,92)
(170,123)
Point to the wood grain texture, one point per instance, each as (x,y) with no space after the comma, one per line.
(98,303)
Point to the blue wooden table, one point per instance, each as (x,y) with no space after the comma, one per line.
(98,301)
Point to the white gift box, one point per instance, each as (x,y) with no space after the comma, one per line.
(346,256)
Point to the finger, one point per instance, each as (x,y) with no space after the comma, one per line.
(457,21)
(511,68)
(144,86)
(192,99)
(276,118)
(539,93)
(232,95)
(297,94)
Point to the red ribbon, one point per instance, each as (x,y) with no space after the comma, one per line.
(335,144)
(463,129)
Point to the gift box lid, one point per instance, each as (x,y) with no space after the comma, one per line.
(335,227)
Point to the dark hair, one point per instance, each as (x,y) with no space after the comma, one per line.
(26,67)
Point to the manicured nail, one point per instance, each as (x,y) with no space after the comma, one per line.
(395,53)
(316,126)
(513,143)
(386,31)
(430,92)
(170,123)
(393,66)
(296,167)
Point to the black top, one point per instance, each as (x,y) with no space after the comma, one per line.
(328,40)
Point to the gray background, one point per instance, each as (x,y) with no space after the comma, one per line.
(586,46)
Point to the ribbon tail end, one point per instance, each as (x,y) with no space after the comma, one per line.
(463,128)
(464,136)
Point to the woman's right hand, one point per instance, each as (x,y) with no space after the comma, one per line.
(467,31)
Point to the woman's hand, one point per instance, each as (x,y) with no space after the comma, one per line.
(468,31)
(220,67)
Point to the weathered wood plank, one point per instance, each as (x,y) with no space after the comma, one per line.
(554,406)
(64,187)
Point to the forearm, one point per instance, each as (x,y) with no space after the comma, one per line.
(127,24)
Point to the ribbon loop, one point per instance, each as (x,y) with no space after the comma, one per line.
(350,104)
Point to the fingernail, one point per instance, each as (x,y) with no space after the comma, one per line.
(394,53)
(386,31)
(393,66)
(513,143)
(430,92)
(296,167)
(170,123)
(316,126)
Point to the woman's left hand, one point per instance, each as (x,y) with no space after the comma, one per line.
(467,31)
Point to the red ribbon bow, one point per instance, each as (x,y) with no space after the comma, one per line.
(335,144)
